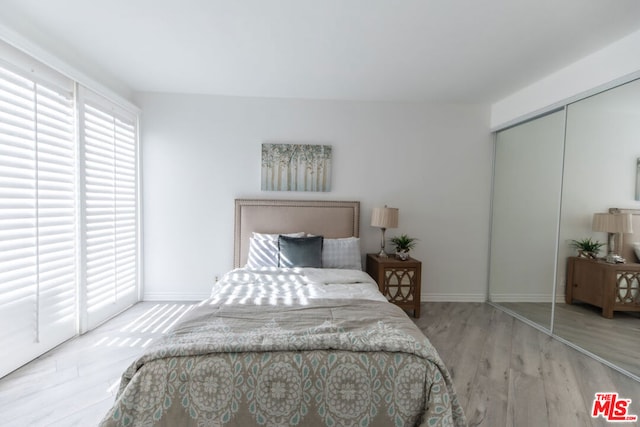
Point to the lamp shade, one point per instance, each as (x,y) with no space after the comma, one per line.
(384,217)
(612,223)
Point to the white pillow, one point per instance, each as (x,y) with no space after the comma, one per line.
(636,249)
(262,253)
(263,249)
(342,253)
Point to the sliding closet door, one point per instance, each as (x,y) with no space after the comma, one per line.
(37,211)
(601,172)
(526,210)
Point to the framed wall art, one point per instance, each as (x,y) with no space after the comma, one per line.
(296,167)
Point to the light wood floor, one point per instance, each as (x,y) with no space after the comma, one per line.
(75,384)
(616,340)
(506,372)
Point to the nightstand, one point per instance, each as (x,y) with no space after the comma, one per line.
(398,280)
(612,287)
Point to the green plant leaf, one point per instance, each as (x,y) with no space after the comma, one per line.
(403,242)
(587,245)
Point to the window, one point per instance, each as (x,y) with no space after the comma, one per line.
(68,208)
(37,215)
(110,235)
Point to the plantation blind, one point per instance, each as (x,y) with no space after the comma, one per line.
(37,209)
(109,147)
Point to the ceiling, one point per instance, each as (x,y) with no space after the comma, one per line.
(458,51)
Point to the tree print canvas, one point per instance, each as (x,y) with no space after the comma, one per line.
(296,167)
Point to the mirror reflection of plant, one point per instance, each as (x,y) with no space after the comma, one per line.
(587,245)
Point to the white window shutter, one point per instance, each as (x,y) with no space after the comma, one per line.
(69,245)
(56,208)
(110,208)
(37,215)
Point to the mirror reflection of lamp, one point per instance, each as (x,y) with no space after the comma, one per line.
(615,224)
(384,218)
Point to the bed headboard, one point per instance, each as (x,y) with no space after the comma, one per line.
(630,238)
(331,219)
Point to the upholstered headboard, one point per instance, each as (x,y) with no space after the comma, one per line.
(629,239)
(331,219)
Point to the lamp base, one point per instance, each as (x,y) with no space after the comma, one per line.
(614,259)
(382,253)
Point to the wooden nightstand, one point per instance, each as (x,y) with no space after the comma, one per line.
(612,287)
(398,280)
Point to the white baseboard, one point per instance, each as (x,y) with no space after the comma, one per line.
(173,296)
(524,298)
(431,297)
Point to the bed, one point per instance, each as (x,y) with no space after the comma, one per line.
(299,344)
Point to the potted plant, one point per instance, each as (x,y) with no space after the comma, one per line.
(403,245)
(587,248)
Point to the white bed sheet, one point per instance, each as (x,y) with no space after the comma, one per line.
(293,286)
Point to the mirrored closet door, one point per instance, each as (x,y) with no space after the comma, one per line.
(551,175)
(526,211)
(602,149)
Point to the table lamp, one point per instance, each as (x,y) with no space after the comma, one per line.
(615,225)
(384,218)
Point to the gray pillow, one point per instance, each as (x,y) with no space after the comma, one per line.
(300,251)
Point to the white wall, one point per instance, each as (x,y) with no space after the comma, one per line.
(201,152)
(606,68)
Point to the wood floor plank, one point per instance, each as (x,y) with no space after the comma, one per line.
(470,321)
(526,401)
(489,392)
(565,401)
(526,395)
(526,356)
(88,416)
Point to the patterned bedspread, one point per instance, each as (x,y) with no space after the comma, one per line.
(324,362)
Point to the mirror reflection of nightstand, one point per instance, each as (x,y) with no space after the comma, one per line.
(612,287)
